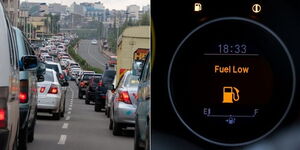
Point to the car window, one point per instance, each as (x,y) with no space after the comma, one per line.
(51,66)
(109,76)
(131,81)
(49,76)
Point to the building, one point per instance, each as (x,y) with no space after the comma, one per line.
(133,12)
(12,8)
(57,8)
(40,24)
(77,9)
(132,38)
(146,9)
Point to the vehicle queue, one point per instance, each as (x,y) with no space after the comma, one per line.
(35,79)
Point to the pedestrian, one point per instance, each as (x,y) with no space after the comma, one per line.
(106,66)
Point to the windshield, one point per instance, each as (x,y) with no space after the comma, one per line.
(54,67)
(109,76)
(132,81)
(49,76)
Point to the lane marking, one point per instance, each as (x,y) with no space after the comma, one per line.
(70,108)
(65,126)
(62,139)
(68,118)
(70,105)
(69,112)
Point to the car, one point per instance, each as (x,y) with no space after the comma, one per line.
(110,94)
(123,109)
(10,83)
(112,61)
(142,118)
(94,42)
(77,80)
(60,75)
(74,73)
(90,90)
(50,95)
(48,58)
(56,66)
(101,90)
(27,96)
(83,83)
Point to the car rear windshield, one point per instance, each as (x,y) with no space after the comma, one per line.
(51,66)
(132,80)
(49,76)
(109,76)
(87,77)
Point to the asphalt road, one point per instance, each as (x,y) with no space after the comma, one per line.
(81,129)
(91,54)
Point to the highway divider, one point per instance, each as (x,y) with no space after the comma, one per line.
(84,65)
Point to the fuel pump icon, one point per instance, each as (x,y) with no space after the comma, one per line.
(230,94)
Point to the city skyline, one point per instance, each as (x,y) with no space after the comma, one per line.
(110,4)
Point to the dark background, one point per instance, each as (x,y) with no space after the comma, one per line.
(172,21)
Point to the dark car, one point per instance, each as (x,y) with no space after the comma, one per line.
(142,122)
(83,83)
(91,88)
(104,84)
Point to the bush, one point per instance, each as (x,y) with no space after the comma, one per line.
(84,65)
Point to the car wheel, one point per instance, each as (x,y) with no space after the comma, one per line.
(97,108)
(62,114)
(87,101)
(110,124)
(56,116)
(23,138)
(31,130)
(107,111)
(116,129)
(80,95)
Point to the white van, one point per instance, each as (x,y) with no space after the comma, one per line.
(9,83)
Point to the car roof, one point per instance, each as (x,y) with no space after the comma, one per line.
(51,63)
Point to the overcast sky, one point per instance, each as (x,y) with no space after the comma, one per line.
(110,4)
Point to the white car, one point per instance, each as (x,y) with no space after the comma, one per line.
(50,95)
(74,73)
(94,42)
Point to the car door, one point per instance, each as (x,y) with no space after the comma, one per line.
(143,104)
(32,83)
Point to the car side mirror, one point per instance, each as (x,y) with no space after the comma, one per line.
(40,78)
(29,62)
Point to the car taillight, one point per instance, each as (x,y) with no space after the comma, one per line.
(124,97)
(53,89)
(82,84)
(2,118)
(61,76)
(23,97)
(100,83)
(42,90)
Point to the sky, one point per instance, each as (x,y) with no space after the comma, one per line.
(110,4)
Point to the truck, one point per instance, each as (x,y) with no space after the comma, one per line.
(133,39)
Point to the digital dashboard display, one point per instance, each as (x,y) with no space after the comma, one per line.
(231,81)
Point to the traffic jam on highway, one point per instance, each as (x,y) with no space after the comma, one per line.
(41,82)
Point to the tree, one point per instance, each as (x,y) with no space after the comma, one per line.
(145,19)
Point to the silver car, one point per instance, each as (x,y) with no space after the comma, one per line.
(123,107)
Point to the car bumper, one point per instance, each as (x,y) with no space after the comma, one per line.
(124,113)
(4,134)
(48,103)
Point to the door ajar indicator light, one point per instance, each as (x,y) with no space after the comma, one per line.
(256,8)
